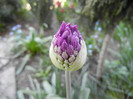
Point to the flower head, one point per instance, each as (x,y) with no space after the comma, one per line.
(11,33)
(72,6)
(68,49)
(62,10)
(58,4)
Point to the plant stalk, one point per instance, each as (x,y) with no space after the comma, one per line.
(68,84)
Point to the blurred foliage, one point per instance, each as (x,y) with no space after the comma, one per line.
(31,43)
(116,82)
(15,10)
(53,88)
(108,10)
(63,11)
(28,44)
(10,11)
(119,74)
(43,10)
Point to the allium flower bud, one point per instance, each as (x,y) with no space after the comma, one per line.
(68,49)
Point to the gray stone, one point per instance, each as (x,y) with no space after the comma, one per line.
(8,84)
(3,62)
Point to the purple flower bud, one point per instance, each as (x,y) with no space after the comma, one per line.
(68,50)
(68,39)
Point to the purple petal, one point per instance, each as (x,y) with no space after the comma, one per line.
(54,41)
(14,28)
(64,45)
(19,31)
(68,29)
(18,26)
(62,27)
(74,41)
(11,33)
(59,41)
(69,38)
(70,50)
(78,47)
(27,37)
(61,30)
(4,39)
(74,28)
(75,33)
(65,34)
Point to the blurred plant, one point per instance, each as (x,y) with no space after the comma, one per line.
(122,31)
(28,44)
(94,43)
(65,10)
(45,6)
(11,11)
(44,70)
(54,89)
(119,74)
(81,91)
(49,91)
(72,6)
(60,12)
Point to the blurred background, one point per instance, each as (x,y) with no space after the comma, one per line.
(26,31)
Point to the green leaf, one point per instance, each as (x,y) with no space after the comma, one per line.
(46,39)
(20,94)
(48,88)
(25,60)
(30,68)
(53,79)
(19,53)
(84,80)
(31,83)
(41,32)
(47,71)
(38,89)
(52,96)
(84,93)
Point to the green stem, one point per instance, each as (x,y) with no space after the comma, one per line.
(68,84)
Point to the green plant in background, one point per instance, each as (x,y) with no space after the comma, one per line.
(94,42)
(45,90)
(68,9)
(54,88)
(11,11)
(31,42)
(119,74)
(28,44)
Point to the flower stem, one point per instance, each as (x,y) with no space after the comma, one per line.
(68,84)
